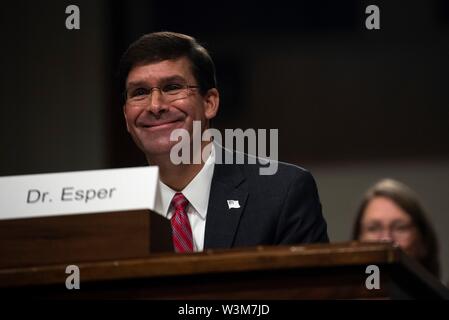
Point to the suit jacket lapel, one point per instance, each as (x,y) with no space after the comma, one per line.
(228,183)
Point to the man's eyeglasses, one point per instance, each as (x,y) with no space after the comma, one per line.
(139,97)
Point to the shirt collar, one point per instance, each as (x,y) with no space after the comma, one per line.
(196,192)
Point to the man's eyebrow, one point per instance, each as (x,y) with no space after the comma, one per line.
(139,83)
(173,78)
(134,84)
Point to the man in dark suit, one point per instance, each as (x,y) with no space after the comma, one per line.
(169,82)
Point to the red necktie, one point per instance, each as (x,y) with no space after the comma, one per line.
(181,230)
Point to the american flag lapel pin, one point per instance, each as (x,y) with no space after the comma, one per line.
(233,204)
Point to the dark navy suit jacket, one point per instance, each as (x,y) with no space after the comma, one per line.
(278,209)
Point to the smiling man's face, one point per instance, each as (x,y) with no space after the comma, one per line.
(151,122)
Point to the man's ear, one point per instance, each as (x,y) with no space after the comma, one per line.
(211,102)
(126,119)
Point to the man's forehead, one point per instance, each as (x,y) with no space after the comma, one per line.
(179,68)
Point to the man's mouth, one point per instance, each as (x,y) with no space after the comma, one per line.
(159,124)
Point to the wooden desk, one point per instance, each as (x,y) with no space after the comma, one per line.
(334,271)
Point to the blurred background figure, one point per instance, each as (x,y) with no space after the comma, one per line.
(390,211)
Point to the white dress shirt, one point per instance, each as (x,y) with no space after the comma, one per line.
(197,193)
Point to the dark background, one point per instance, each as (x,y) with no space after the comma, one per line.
(350,104)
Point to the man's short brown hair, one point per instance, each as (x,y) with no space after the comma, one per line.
(159,46)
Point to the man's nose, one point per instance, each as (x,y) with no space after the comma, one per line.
(156,104)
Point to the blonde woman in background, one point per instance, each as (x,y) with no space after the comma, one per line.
(390,211)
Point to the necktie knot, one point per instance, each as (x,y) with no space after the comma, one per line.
(180,202)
